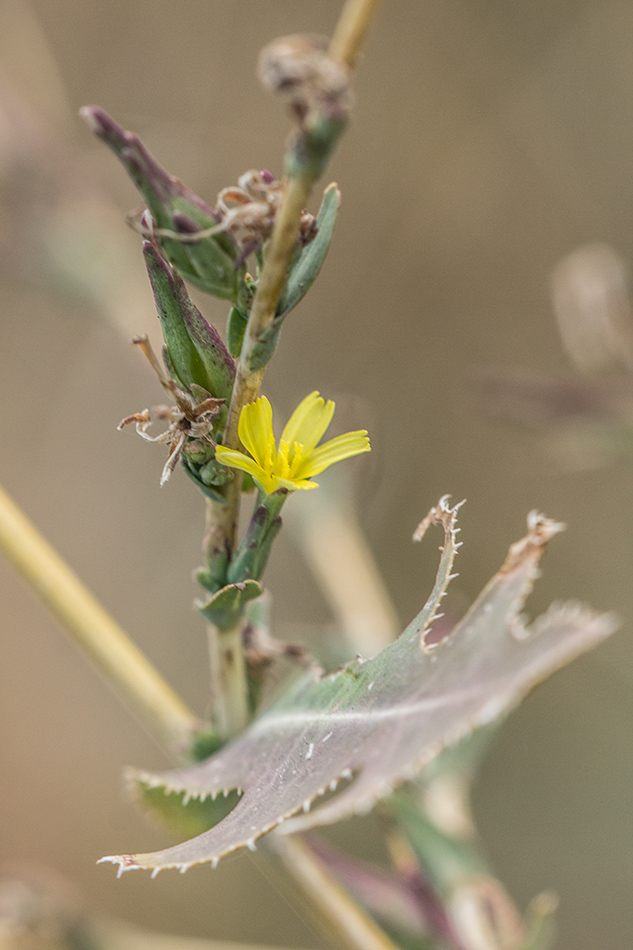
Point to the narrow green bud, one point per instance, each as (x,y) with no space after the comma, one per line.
(309,262)
(196,353)
(252,553)
(235,330)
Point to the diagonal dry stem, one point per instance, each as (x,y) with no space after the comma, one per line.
(127,670)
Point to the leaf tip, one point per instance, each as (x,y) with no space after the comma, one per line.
(126,862)
(443,514)
(541,530)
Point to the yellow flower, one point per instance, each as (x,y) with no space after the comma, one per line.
(297,459)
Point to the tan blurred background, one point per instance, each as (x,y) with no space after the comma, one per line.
(489,140)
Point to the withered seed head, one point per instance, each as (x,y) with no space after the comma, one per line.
(299,68)
(190,422)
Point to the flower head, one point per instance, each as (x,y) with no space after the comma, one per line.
(298,458)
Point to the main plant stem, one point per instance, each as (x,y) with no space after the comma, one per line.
(229,691)
(349,35)
(278,256)
(122,664)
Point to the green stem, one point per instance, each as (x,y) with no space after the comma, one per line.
(229,689)
(278,256)
(121,663)
(349,35)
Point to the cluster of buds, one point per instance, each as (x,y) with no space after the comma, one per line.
(207,245)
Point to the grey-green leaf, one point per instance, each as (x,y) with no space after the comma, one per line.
(378,722)
(310,261)
(210,263)
(226,606)
(235,330)
(301,277)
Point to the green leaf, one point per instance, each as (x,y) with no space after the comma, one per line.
(446,860)
(310,261)
(252,554)
(378,722)
(301,277)
(227,605)
(235,330)
(208,264)
(184,816)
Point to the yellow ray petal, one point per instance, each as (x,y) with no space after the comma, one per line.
(293,483)
(238,460)
(309,421)
(255,430)
(234,459)
(342,447)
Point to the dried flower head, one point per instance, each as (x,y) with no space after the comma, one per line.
(190,422)
(246,212)
(299,68)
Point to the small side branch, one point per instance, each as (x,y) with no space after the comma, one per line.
(121,663)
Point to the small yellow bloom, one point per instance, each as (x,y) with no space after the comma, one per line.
(297,459)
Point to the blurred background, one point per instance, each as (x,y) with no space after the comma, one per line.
(490,140)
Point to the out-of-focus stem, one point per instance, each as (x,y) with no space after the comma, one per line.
(342,562)
(121,663)
(351,31)
(128,939)
(345,923)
